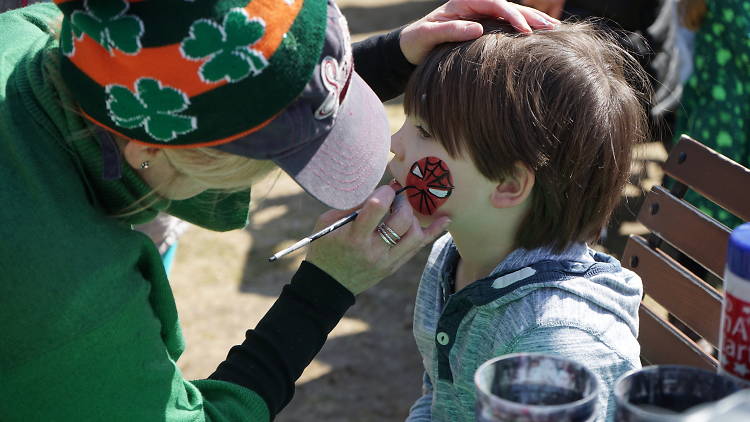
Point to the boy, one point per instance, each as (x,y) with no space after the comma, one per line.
(525,143)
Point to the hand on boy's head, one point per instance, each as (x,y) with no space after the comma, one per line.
(451,22)
(553,8)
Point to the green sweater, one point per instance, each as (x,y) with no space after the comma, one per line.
(89,323)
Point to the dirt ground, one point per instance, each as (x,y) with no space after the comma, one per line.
(369,370)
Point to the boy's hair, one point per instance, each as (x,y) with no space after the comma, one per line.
(568,103)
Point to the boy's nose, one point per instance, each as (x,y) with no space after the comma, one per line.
(397,146)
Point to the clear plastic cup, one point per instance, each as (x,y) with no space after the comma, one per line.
(668,393)
(534,387)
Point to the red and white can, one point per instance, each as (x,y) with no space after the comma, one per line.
(734,352)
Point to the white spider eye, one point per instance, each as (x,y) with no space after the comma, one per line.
(438,192)
(416,171)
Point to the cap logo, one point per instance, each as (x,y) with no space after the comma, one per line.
(336,77)
(227,48)
(152,106)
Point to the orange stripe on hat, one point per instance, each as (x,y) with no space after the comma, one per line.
(193,145)
(167,63)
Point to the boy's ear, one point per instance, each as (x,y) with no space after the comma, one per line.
(515,188)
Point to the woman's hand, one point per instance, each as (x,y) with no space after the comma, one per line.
(448,23)
(356,255)
(553,8)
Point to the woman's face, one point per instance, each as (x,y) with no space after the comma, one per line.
(183,174)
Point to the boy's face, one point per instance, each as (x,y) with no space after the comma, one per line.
(438,184)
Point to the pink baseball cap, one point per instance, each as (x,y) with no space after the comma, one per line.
(334,139)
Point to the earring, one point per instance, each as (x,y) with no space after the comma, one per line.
(144,165)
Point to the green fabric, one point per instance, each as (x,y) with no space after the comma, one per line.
(90,328)
(716,100)
(225,47)
(160,32)
(106,23)
(257,88)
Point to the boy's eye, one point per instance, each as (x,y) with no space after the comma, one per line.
(422,132)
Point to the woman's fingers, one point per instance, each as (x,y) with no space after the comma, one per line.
(522,18)
(400,220)
(539,18)
(451,22)
(330,217)
(435,229)
(415,239)
(357,256)
(372,212)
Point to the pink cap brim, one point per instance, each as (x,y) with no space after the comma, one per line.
(350,162)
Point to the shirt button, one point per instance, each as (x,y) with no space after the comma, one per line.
(443,338)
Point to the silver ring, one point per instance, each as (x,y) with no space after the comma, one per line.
(393,235)
(386,236)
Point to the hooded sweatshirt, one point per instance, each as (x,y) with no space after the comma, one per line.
(579,304)
(89,323)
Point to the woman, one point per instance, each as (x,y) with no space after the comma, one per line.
(139,107)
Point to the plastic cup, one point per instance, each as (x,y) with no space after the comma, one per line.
(534,387)
(667,393)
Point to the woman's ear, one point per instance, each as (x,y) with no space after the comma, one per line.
(136,154)
(515,188)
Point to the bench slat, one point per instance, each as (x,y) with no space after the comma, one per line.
(687,297)
(661,343)
(713,175)
(686,228)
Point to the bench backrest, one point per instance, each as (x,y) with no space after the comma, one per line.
(669,286)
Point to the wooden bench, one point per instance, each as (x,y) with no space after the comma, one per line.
(676,225)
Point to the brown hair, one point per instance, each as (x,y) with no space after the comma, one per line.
(562,102)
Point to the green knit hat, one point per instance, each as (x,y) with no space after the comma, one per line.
(177,73)
(265,79)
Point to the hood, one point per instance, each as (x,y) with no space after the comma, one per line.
(594,276)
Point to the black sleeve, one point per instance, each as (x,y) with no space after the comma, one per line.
(380,62)
(288,337)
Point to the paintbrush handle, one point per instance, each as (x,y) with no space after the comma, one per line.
(306,241)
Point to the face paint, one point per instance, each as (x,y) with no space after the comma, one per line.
(429,185)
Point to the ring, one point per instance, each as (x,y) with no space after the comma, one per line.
(388,235)
(394,236)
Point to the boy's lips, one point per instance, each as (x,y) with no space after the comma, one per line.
(400,200)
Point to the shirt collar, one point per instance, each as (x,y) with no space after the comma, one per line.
(520,258)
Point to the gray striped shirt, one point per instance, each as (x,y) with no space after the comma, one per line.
(580,304)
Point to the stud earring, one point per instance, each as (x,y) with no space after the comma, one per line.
(144,165)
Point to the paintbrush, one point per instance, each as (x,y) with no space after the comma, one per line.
(306,241)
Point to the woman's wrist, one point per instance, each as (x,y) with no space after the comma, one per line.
(321,289)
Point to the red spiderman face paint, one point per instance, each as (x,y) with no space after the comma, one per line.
(429,185)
